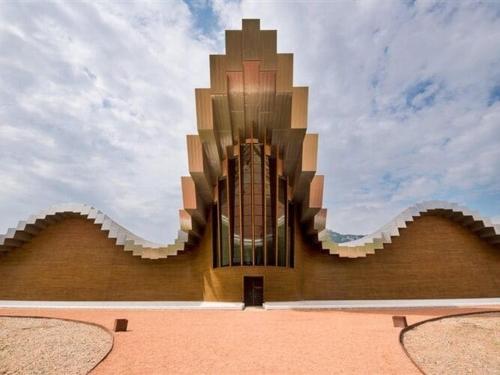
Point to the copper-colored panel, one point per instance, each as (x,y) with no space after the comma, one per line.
(320,220)
(204,114)
(267,87)
(313,201)
(185,221)
(316,192)
(284,77)
(236,104)
(235,90)
(293,150)
(198,168)
(297,146)
(195,153)
(234,50)
(192,201)
(310,152)
(238,125)
(212,150)
(282,111)
(268,49)
(265,124)
(299,107)
(218,74)
(251,39)
(222,122)
(251,77)
(251,85)
(188,193)
(301,185)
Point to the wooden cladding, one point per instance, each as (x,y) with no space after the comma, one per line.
(252,97)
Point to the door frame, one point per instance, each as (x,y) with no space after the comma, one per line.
(243,287)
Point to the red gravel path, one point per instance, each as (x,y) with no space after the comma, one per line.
(252,341)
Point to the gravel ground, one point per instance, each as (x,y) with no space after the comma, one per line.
(253,341)
(458,345)
(50,346)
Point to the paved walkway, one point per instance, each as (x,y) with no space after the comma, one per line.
(253,341)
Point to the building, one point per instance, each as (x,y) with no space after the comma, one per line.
(252,226)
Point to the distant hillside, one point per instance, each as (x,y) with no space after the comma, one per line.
(339,238)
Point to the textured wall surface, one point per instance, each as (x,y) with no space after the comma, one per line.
(432,258)
(73,260)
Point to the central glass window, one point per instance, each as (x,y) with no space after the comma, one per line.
(254,217)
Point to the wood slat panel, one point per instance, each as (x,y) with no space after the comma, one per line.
(268,49)
(205,120)
(222,122)
(195,153)
(299,107)
(192,202)
(267,87)
(310,153)
(251,78)
(204,113)
(316,192)
(251,39)
(236,104)
(284,77)
(218,78)
(198,168)
(188,193)
(234,50)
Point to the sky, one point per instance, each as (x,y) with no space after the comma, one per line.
(96,99)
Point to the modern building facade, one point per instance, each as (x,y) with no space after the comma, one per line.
(252,225)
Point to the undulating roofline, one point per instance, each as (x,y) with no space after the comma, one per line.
(138,246)
(370,243)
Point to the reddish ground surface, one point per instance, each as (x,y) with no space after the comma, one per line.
(253,341)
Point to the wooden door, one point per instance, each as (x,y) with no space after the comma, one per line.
(253,290)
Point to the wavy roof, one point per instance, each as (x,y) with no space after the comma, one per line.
(370,243)
(138,246)
(26,230)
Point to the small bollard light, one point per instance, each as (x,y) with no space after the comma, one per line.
(121,325)
(399,321)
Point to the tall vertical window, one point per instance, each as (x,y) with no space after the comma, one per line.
(224,222)
(234,210)
(246,197)
(270,194)
(281,220)
(291,234)
(215,236)
(253,220)
(258,203)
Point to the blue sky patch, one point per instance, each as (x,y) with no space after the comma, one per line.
(205,18)
(421,95)
(494,95)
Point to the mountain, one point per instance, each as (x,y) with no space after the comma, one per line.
(339,237)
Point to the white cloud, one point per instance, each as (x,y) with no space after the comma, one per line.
(96,99)
(399,94)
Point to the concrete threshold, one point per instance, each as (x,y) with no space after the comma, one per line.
(138,305)
(371,304)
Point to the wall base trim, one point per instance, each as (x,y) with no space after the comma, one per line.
(127,305)
(391,303)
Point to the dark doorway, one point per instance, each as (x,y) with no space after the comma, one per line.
(253,290)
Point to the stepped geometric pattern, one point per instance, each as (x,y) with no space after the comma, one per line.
(368,244)
(26,230)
